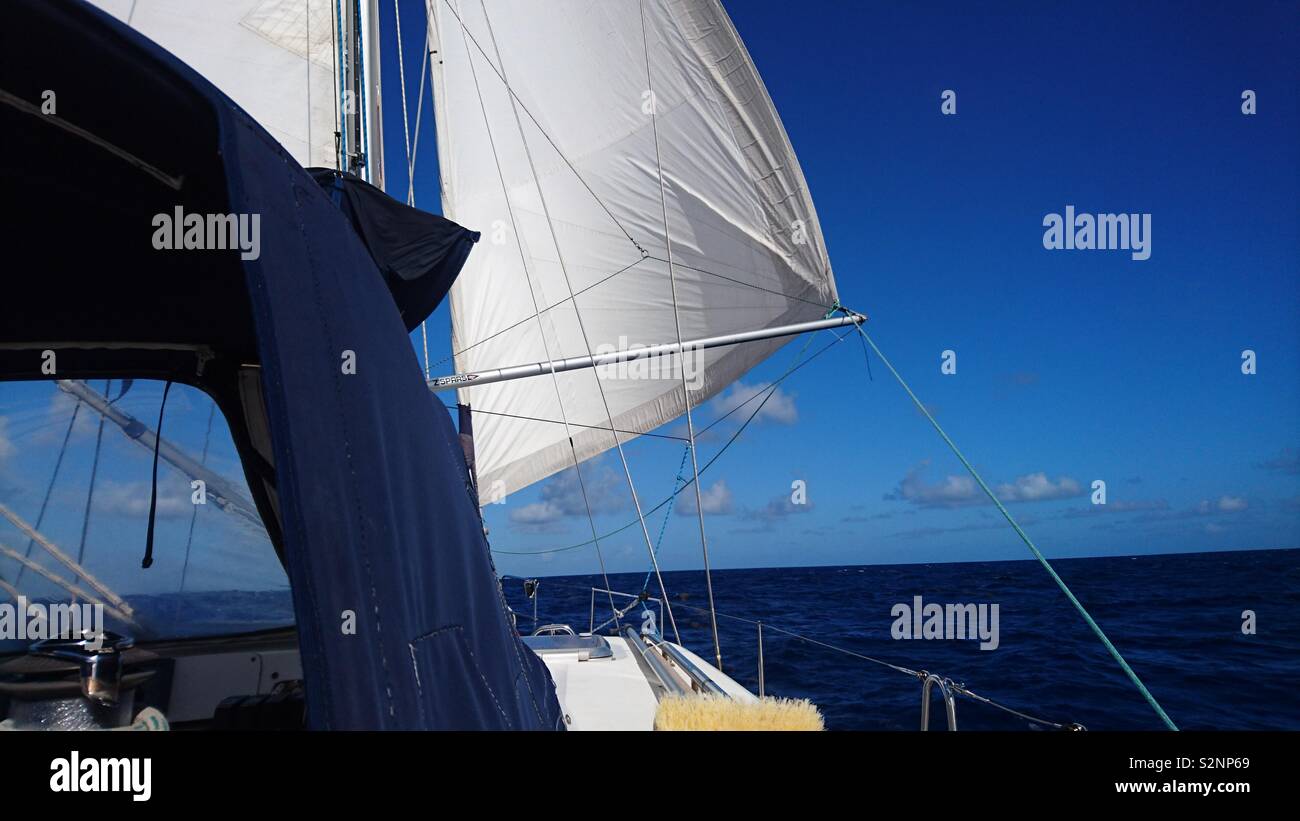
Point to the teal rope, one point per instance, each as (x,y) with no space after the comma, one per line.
(664,527)
(1029,543)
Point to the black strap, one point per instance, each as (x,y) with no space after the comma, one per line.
(153,497)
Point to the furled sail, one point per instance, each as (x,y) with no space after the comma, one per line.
(278,59)
(554,122)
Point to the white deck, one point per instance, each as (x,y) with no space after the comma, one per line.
(616,693)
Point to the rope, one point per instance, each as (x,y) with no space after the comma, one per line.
(663,528)
(1128,671)
(681,356)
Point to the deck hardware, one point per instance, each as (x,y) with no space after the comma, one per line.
(950,706)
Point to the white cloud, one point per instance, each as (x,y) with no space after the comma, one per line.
(538,513)
(1230,504)
(779,407)
(562,496)
(716,499)
(6,446)
(957,491)
(778,508)
(1287,462)
(1036,487)
(952,491)
(132,498)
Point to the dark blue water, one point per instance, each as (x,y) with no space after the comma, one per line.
(1176,618)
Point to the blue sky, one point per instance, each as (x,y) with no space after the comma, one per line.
(1076,365)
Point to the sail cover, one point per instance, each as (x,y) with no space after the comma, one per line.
(547,117)
(276,58)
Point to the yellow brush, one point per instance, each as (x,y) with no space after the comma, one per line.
(714,712)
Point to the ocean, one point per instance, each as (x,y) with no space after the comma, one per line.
(1176,618)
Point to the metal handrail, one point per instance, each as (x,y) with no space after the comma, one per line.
(950,705)
(699,681)
(670,682)
(555,630)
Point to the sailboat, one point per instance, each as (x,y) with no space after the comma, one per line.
(637,236)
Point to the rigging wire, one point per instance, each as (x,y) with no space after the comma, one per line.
(752,285)
(1083,611)
(957,688)
(663,528)
(582,328)
(363,148)
(341,132)
(555,380)
(528,319)
(406,135)
(766,393)
(194,515)
(49,489)
(681,355)
(501,76)
(406,121)
(574,424)
(90,491)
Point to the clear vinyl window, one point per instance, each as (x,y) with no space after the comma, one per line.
(76,465)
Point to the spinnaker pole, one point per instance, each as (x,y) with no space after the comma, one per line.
(476,378)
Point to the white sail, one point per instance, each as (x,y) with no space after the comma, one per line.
(547,145)
(278,59)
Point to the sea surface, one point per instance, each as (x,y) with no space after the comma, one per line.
(1176,618)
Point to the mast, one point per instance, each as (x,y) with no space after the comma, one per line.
(361,112)
(474,379)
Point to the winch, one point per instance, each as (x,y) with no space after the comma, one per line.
(86,683)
